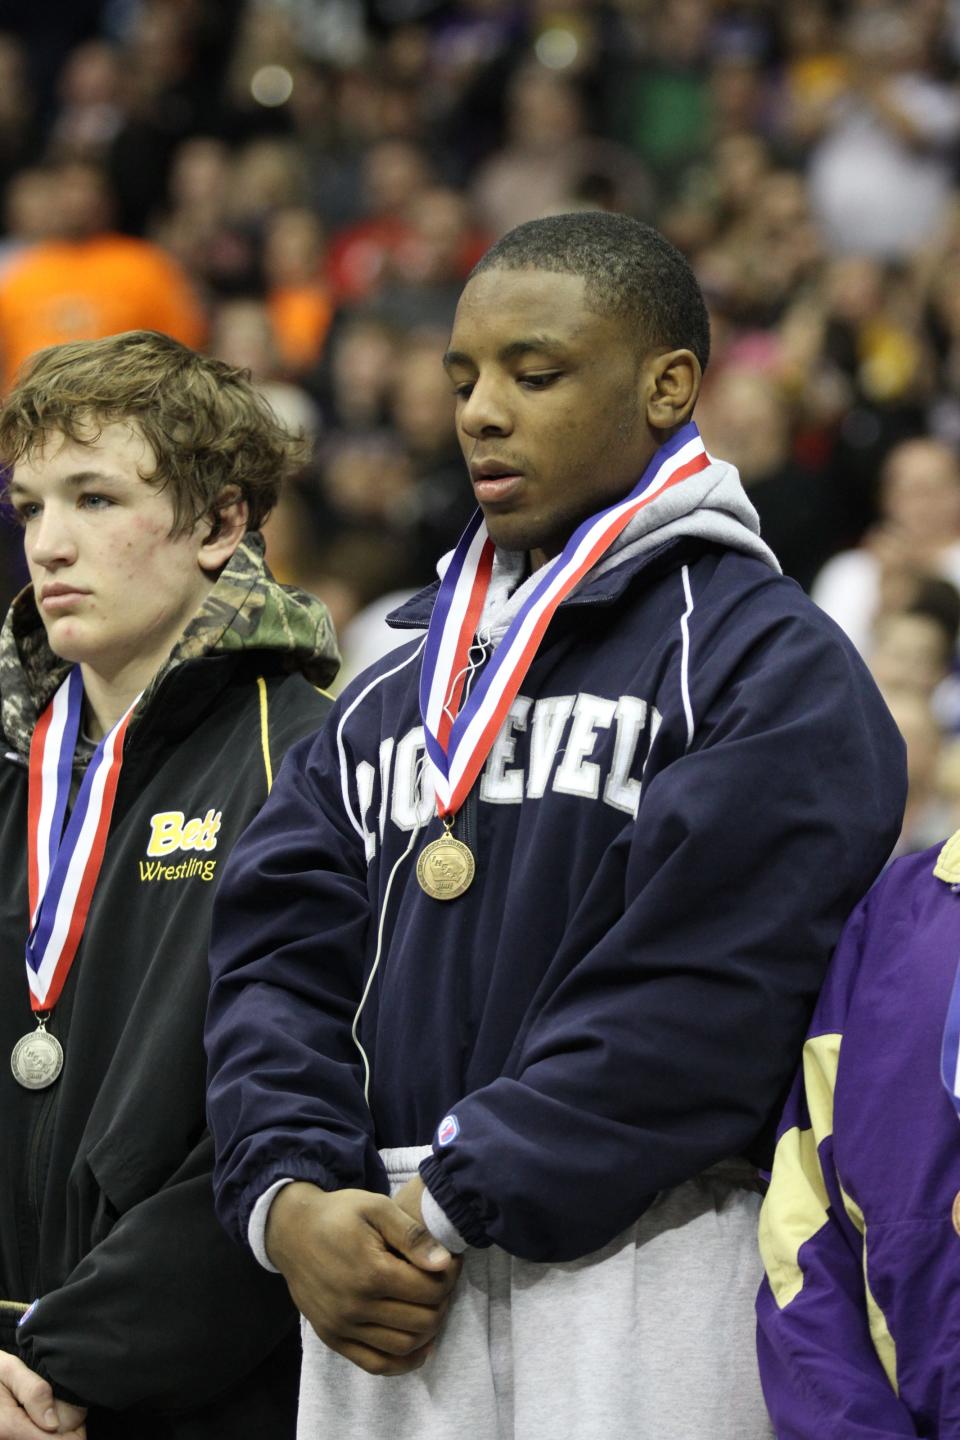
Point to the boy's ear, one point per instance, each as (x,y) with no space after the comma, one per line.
(673,381)
(227,527)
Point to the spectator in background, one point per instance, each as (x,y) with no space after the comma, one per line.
(243,334)
(942,314)
(815,71)
(913,655)
(87,281)
(913,650)
(659,103)
(425,273)
(439,502)
(855,354)
(914,661)
(19,132)
(548,151)
(172,62)
(745,418)
(357,374)
(267,173)
(395,174)
(882,169)
(775,246)
(91,114)
(739,81)
(195,225)
(331,157)
(28,211)
(530,174)
(298,298)
(356,509)
(918,535)
(367,483)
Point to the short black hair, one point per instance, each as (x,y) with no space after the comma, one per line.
(630,269)
(939,600)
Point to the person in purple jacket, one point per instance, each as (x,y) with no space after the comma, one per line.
(511,977)
(859,1316)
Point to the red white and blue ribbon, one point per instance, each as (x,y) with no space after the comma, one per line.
(63,864)
(459,740)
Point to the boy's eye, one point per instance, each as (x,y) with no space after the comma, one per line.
(464,391)
(540,380)
(26,510)
(92,501)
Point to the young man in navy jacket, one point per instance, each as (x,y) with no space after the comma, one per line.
(527,938)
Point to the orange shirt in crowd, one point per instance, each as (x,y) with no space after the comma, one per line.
(300,316)
(82,290)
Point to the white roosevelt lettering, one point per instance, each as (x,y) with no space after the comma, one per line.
(498,784)
(576,775)
(408,792)
(621,791)
(414,798)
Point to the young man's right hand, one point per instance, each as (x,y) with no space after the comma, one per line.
(28,1409)
(372,1282)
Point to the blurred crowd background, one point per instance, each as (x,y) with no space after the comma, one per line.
(301,186)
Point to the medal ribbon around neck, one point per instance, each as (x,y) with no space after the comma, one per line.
(63,866)
(459,740)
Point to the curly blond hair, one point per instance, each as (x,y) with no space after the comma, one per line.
(207,425)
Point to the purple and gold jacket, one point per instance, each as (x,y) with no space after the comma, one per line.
(859,1317)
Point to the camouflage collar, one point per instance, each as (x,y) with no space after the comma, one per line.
(30,673)
(245,611)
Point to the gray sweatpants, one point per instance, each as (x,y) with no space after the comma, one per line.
(650,1338)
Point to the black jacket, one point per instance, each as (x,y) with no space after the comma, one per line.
(145,1307)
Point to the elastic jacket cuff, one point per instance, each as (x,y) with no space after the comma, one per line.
(257,1226)
(457,1212)
(439,1226)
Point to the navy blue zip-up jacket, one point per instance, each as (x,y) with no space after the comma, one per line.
(696,783)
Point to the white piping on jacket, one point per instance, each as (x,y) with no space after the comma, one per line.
(344,790)
(685,656)
(341,752)
(414,833)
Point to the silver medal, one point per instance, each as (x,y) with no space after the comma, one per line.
(37,1060)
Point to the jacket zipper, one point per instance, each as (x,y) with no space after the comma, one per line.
(29,1211)
(466,822)
(35,1155)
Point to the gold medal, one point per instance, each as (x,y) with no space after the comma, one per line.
(445,867)
(37,1059)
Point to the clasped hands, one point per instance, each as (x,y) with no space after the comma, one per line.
(28,1409)
(364,1271)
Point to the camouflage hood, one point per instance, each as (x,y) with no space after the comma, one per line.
(245,611)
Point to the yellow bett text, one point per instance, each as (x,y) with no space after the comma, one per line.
(170,831)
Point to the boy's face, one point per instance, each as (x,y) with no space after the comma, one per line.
(910,652)
(550,405)
(113,586)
